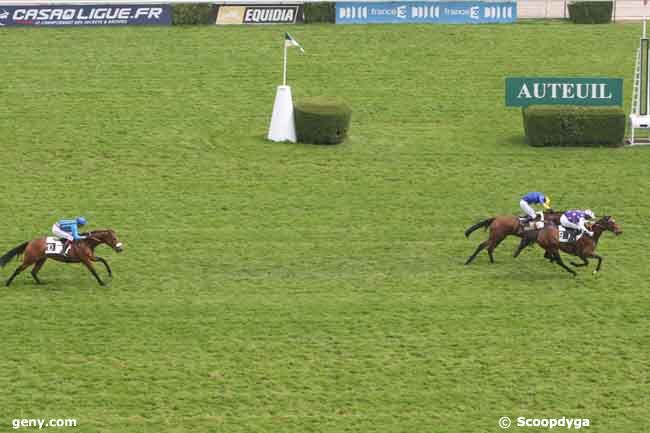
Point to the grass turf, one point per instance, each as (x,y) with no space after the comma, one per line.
(285,287)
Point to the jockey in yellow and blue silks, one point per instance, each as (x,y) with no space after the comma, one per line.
(69,229)
(533,198)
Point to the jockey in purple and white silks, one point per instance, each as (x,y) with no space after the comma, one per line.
(576,219)
(533,198)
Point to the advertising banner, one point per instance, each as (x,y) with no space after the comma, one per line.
(260,14)
(522,91)
(85,15)
(463,12)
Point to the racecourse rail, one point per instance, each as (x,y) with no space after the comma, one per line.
(623,9)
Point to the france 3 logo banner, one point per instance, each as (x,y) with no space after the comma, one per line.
(469,12)
(85,15)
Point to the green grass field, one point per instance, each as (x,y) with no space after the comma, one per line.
(292,288)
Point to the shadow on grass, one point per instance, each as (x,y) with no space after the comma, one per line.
(517,140)
(262,139)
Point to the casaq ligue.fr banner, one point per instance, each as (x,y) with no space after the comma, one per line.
(85,15)
(459,12)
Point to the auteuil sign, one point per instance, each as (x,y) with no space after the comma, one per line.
(521,92)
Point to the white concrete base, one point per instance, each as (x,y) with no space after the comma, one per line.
(283,127)
(638,121)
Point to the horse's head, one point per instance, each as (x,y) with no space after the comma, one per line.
(608,223)
(107,237)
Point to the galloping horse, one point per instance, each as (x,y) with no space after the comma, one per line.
(548,238)
(503,226)
(82,251)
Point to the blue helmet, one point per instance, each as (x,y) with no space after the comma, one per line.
(81,221)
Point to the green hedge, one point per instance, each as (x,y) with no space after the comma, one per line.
(566,125)
(188,14)
(322,120)
(591,12)
(320,12)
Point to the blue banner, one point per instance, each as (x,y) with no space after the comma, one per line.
(461,12)
(85,15)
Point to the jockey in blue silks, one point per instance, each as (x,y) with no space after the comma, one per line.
(576,219)
(533,198)
(69,229)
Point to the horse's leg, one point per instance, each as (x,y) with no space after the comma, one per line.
(37,267)
(558,260)
(86,261)
(585,262)
(18,270)
(480,248)
(491,249)
(108,268)
(600,261)
(523,244)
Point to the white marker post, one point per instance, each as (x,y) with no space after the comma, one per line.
(282,126)
(640,112)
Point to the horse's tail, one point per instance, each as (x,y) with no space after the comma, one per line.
(12,253)
(484,223)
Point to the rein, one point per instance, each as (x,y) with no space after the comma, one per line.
(600,224)
(92,236)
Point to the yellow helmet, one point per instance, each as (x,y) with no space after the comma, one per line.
(547,203)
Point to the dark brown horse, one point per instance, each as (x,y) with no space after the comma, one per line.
(584,248)
(503,226)
(82,251)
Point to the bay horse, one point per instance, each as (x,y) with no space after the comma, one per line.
(82,251)
(503,226)
(583,248)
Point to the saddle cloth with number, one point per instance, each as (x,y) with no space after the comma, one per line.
(530,225)
(53,246)
(568,235)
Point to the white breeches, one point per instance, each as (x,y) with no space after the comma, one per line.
(60,233)
(566,223)
(528,210)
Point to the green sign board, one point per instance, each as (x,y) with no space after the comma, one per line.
(521,92)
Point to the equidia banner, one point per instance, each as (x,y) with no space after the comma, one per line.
(523,91)
(463,12)
(260,14)
(85,15)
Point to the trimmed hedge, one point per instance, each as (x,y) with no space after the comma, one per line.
(567,125)
(591,12)
(320,12)
(188,14)
(322,120)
